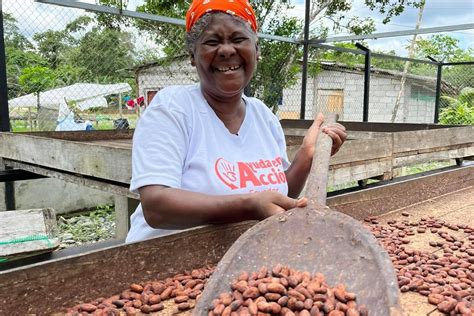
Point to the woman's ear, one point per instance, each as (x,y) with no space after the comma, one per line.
(193,62)
(259,57)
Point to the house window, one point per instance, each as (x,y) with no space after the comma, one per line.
(422,93)
(329,100)
(150,94)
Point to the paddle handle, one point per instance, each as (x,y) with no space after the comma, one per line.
(316,188)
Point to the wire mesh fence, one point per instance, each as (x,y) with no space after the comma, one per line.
(457,94)
(70,69)
(335,83)
(402,91)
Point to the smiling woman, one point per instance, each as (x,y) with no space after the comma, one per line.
(207,153)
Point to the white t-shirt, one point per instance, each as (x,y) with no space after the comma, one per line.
(180,142)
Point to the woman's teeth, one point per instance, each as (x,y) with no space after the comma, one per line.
(225,69)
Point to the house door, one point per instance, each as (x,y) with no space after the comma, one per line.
(328,100)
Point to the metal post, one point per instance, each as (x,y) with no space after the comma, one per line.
(438,92)
(4,115)
(365,115)
(305,59)
(10,203)
(438,88)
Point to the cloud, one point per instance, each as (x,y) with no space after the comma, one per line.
(436,13)
(36,17)
(33,17)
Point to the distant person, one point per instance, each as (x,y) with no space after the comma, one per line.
(207,153)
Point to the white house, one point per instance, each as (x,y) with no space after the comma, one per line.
(336,88)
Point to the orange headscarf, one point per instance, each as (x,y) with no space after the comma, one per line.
(241,8)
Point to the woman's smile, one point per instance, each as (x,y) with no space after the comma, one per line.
(228,68)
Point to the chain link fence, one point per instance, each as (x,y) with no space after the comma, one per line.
(93,71)
(335,83)
(457,94)
(402,91)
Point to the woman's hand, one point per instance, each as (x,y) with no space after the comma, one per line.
(300,167)
(266,204)
(336,131)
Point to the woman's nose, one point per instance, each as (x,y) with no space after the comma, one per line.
(226,49)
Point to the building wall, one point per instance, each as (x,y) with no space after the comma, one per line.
(420,110)
(158,77)
(291,101)
(352,85)
(384,90)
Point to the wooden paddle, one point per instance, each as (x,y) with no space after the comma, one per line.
(314,239)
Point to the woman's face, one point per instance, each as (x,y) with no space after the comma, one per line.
(225,56)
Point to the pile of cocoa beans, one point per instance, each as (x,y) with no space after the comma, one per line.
(149,297)
(446,274)
(285,291)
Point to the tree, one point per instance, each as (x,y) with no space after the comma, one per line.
(52,45)
(443,48)
(37,79)
(18,59)
(12,35)
(460,110)
(19,54)
(102,55)
(281,61)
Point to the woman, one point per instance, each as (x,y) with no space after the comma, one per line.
(207,153)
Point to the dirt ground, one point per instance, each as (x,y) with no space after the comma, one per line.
(455,208)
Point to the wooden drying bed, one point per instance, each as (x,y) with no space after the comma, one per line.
(102,159)
(49,286)
(105,156)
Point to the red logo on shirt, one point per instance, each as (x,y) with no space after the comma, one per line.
(250,174)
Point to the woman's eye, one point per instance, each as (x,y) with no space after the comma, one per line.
(210,42)
(239,39)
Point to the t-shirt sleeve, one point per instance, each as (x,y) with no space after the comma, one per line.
(160,143)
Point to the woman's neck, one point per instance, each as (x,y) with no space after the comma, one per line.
(231,111)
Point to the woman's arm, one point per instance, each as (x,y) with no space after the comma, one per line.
(170,208)
(300,167)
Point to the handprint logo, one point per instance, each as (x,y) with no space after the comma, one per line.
(225,171)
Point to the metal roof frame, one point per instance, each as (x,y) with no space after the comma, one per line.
(141,15)
(428,30)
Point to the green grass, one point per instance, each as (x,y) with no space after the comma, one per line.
(99,122)
(19,126)
(88,227)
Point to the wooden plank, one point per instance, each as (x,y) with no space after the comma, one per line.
(27,232)
(350,134)
(356,150)
(83,158)
(354,172)
(49,287)
(363,149)
(378,200)
(99,184)
(122,219)
(84,136)
(429,139)
(460,151)
(125,143)
(368,126)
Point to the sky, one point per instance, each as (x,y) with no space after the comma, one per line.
(436,13)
